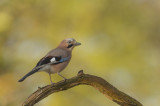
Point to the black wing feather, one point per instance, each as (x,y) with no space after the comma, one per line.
(47,60)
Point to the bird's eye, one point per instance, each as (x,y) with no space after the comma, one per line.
(69,41)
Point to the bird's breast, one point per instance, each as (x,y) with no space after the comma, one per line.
(58,67)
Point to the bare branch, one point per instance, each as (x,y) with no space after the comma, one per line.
(83,79)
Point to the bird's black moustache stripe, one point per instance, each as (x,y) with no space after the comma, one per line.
(69,46)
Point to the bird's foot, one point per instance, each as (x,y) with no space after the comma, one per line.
(39,88)
(52,83)
(65,79)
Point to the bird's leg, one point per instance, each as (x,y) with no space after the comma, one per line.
(62,76)
(50,78)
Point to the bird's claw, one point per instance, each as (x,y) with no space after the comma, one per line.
(65,79)
(52,83)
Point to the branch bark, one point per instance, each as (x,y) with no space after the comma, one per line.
(83,79)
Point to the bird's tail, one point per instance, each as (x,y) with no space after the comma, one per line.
(28,74)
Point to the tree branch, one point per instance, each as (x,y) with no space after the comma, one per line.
(83,79)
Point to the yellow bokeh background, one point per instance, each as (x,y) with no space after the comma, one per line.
(120,43)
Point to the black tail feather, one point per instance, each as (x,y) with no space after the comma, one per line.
(28,74)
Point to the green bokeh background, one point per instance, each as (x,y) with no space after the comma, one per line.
(120,43)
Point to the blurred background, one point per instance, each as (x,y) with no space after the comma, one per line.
(120,43)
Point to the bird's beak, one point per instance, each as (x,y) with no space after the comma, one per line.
(77,44)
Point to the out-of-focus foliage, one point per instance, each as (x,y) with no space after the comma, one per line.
(120,42)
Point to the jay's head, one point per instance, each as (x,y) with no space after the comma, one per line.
(69,44)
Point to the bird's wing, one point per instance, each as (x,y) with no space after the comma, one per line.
(48,59)
(51,60)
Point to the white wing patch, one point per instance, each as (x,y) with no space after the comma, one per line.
(53,59)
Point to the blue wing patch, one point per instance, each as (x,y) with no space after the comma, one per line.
(64,59)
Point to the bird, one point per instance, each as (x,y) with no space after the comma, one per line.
(55,60)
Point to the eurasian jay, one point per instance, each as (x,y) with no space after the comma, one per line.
(55,60)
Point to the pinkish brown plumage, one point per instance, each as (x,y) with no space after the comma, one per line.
(55,60)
